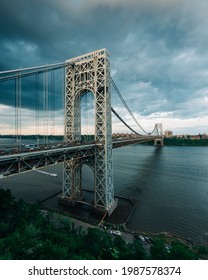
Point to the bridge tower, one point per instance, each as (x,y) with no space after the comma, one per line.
(90,72)
(159,141)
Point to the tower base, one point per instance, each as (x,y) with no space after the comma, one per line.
(158,142)
(102,210)
(66,201)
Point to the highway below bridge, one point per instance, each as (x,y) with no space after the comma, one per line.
(16,162)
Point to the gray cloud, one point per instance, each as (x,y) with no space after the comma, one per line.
(159,57)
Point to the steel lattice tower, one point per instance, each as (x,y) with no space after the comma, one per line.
(90,72)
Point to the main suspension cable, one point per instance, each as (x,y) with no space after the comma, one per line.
(120,118)
(13,74)
(126,105)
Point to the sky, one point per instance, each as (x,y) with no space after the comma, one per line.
(158,54)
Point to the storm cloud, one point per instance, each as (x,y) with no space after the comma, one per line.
(159,55)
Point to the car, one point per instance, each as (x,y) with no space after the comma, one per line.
(168,248)
(147,239)
(139,237)
(115,232)
(30,146)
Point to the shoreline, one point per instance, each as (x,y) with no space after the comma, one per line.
(92,219)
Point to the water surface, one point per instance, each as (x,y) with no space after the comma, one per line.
(169,186)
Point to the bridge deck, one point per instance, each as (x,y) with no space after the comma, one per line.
(22,161)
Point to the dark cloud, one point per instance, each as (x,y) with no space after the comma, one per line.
(159,57)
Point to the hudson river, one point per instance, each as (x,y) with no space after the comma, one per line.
(169,186)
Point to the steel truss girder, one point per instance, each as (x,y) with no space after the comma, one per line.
(90,72)
(19,163)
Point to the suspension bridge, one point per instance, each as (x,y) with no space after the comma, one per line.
(50,88)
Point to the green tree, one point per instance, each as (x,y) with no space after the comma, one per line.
(180,251)
(124,249)
(6,203)
(97,243)
(48,250)
(138,251)
(158,250)
(202,252)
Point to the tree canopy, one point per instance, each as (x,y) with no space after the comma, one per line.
(27,232)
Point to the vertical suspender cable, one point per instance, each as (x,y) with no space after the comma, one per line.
(16,112)
(53,119)
(87,115)
(18,90)
(45,102)
(53,103)
(36,104)
(20,112)
(114,102)
(37,108)
(44,108)
(63,98)
(46,97)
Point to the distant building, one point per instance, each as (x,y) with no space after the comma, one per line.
(124,136)
(198,137)
(168,134)
(195,137)
(204,136)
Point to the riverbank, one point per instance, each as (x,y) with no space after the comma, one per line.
(185,142)
(82,213)
(182,142)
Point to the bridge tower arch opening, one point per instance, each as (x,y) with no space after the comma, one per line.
(88,177)
(89,72)
(87,116)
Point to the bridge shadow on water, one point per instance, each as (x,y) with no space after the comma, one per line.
(129,198)
(143,168)
(124,213)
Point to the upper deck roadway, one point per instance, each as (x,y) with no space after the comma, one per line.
(18,162)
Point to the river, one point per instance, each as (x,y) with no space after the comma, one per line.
(169,186)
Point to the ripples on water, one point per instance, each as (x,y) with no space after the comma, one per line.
(169,186)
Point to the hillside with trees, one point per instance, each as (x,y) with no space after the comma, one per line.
(28,232)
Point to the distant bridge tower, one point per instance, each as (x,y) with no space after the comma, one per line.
(159,141)
(90,72)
